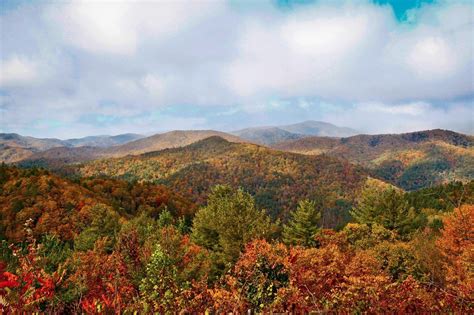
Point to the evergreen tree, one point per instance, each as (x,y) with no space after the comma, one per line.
(165,218)
(104,222)
(228,222)
(385,206)
(303,225)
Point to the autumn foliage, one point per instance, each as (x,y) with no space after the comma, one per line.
(100,245)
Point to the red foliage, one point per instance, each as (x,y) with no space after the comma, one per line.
(104,279)
(31,288)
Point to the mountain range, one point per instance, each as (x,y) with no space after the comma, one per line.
(274,134)
(277,179)
(14,147)
(410,160)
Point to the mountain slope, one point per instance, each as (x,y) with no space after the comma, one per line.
(15,148)
(277,179)
(270,135)
(266,135)
(103,141)
(411,160)
(57,158)
(61,207)
(319,128)
(172,139)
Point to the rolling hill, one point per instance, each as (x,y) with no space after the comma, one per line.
(57,158)
(103,141)
(172,139)
(273,134)
(60,207)
(14,147)
(278,180)
(411,160)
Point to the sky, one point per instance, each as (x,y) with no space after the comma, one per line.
(79,68)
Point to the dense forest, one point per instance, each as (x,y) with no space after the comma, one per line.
(277,180)
(411,160)
(97,244)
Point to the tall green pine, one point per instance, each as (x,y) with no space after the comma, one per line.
(303,225)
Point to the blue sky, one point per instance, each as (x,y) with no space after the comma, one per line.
(77,68)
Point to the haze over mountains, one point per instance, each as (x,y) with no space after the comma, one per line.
(274,134)
(14,147)
(275,178)
(410,161)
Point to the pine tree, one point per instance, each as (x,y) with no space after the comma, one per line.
(303,225)
(385,206)
(228,222)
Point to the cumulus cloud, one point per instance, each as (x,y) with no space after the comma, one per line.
(63,63)
(17,71)
(356,53)
(380,118)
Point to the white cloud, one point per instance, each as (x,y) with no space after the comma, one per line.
(412,109)
(154,85)
(432,58)
(354,52)
(67,59)
(17,71)
(379,118)
(119,27)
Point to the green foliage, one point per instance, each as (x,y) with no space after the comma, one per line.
(54,252)
(385,206)
(228,222)
(175,270)
(104,222)
(423,174)
(158,286)
(165,218)
(398,260)
(442,197)
(363,236)
(303,224)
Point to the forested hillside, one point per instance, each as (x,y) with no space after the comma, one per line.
(101,245)
(276,179)
(15,148)
(274,134)
(410,161)
(62,207)
(59,157)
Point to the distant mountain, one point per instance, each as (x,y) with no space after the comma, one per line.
(319,128)
(172,139)
(103,141)
(267,135)
(411,160)
(276,179)
(58,157)
(35,144)
(270,135)
(14,147)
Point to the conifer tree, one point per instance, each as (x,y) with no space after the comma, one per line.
(386,206)
(303,225)
(228,222)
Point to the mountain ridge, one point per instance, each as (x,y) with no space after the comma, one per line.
(409,160)
(275,178)
(273,134)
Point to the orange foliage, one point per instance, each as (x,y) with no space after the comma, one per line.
(457,246)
